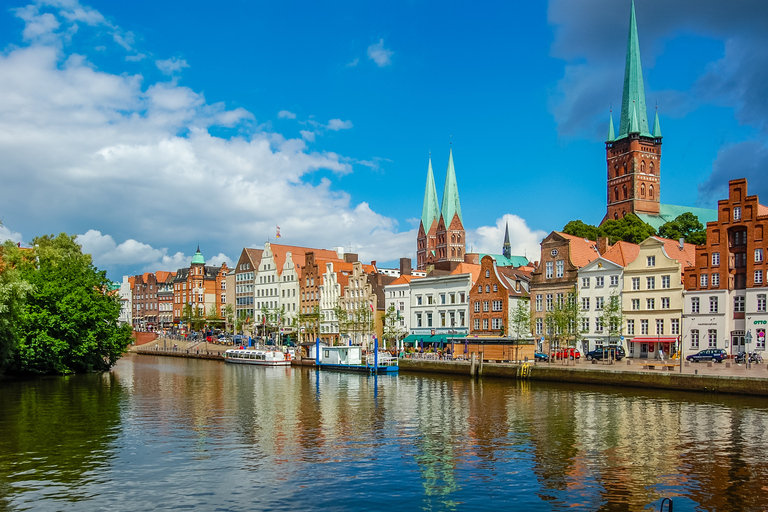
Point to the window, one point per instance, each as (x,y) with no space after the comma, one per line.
(461,318)
(758,255)
(495,288)
(651,261)
(665,281)
(538,303)
(585,303)
(418,300)
(418,319)
(712,335)
(461,298)
(497,304)
(643,326)
(560,268)
(761,302)
(630,327)
(477,306)
(539,326)
(487,289)
(738,304)
(549,302)
(659,326)
(429,299)
(480,288)
(487,273)
(695,338)
(635,283)
(715,280)
(614,280)
(715,259)
(598,324)
(737,213)
(549,270)
(496,323)
(665,303)
(476,324)
(650,303)
(584,324)
(442,319)
(585,282)
(758,277)
(485,324)
(675,325)
(485,305)
(442,298)
(650,283)
(429,319)
(599,281)
(760,342)
(694,304)
(635,304)
(713,304)
(703,281)
(599,303)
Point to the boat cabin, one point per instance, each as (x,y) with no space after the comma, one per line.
(341,355)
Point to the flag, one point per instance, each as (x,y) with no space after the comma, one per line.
(371,306)
(277,235)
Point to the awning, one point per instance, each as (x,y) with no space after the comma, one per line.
(432,338)
(654,339)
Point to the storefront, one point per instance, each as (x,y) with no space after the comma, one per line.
(653,347)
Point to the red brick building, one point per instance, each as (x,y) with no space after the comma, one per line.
(493,298)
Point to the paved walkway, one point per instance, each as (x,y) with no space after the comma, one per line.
(724,369)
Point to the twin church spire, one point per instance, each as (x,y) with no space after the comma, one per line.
(441,233)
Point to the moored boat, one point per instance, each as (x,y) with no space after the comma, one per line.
(257,357)
(350,358)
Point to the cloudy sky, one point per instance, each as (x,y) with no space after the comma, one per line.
(147,128)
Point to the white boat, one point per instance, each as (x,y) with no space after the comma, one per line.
(350,358)
(259,357)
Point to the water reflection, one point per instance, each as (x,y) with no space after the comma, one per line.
(174,433)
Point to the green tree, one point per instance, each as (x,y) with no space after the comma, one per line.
(13,293)
(69,322)
(392,329)
(629,228)
(342,318)
(581,229)
(563,321)
(613,318)
(520,321)
(686,226)
(229,315)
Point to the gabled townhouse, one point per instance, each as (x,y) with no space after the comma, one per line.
(199,286)
(246,270)
(164,281)
(331,290)
(725,297)
(363,303)
(126,298)
(652,297)
(556,276)
(601,281)
(398,295)
(494,297)
(144,300)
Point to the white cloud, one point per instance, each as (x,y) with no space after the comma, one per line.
(116,157)
(307,135)
(7,234)
(171,66)
(337,124)
(285,114)
(353,63)
(490,239)
(380,55)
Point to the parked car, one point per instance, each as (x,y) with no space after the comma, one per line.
(566,352)
(539,356)
(607,352)
(711,354)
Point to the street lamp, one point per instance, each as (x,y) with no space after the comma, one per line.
(748,340)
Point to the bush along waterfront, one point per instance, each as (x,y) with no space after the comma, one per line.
(57,314)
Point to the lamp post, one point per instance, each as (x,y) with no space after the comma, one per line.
(748,340)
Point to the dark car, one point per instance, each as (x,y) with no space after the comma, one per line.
(611,351)
(539,356)
(711,354)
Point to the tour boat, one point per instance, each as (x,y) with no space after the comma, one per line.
(260,357)
(350,359)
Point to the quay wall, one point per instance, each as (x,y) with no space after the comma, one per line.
(192,354)
(659,380)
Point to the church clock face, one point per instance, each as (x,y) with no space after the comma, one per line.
(553,252)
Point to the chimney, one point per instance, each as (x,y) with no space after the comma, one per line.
(682,243)
(602,244)
(350,257)
(405,266)
(340,252)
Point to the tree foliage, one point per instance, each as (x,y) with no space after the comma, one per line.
(68,322)
(686,226)
(629,229)
(392,329)
(520,321)
(563,320)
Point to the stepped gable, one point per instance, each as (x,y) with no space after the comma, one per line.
(280,251)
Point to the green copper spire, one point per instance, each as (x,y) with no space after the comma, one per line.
(611,133)
(430,211)
(633,128)
(656,127)
(198,259)
(634,90)
(451,203)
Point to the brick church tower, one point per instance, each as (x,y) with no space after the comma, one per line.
(441,232)
(634,156)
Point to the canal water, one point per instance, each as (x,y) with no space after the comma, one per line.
(168,433)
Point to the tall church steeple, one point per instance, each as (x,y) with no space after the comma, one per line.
(634,155)
(507,249)
(451,243)
(430,217)
(451,205)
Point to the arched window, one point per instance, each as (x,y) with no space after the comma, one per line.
(650,191)
(453,238)
(487,289)
(615,193)
(487,273)
(624,168)
(642,167)
(642,190)
(624,213)
(495,288)
(615,215)
(625,191)
(651,168)
(615,170)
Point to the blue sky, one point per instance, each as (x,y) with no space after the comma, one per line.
(149,127)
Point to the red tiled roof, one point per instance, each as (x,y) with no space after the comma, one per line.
(468,268)
(622,253)
(297,255)
(404,279)
(582,250)
(686,256)
(762,210)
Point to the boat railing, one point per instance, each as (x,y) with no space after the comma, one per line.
(385,359)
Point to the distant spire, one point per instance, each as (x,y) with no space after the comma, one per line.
(507,250)
(611,133)
(656,126)
(451,205)
(633,128)
(430,210)
(634,89)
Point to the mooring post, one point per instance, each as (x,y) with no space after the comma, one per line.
(480,370)
(472,363)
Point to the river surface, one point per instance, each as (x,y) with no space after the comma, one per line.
(166,433)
